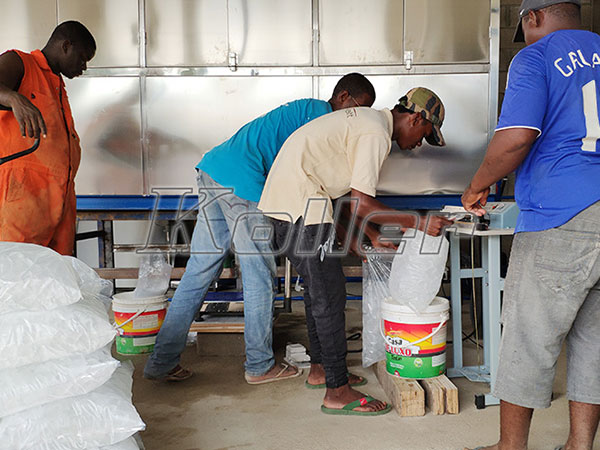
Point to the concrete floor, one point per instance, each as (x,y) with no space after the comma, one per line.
(216,409)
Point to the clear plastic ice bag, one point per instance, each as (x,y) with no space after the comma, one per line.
(35,278)
(34,337)
(99,418)
(417,270)
(87,278)
(376,273)
(128,444)
(153,277)
(40,383)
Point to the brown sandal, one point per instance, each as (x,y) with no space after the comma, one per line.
(177,374)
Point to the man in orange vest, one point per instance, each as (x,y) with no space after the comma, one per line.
(37,192)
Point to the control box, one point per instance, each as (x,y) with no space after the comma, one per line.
(502,214)
(499,215)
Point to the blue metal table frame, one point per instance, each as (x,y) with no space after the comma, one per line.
(492,285)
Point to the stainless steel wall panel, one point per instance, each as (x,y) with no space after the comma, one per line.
(429,170)
(26,24)
(448,31)
(114,24)
(361,33)
(187,116)
(186,32)
(107,118)
(148,127)
(271,32)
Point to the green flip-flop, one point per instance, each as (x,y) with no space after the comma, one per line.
(348,410)
(362,382)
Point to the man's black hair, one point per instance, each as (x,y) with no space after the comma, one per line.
(401,109)
(76,33)
(356,84)
(565,11)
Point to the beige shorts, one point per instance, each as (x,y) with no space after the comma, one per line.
(552,294)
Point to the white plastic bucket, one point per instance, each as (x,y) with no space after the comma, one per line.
(138,321)
(415,343)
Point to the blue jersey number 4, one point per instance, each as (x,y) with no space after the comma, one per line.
(590,111)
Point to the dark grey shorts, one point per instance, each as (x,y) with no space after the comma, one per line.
(552,294)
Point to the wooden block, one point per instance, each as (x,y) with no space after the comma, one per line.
(406,396)
(217,327)
(435,395)
(131,273)
(451,391)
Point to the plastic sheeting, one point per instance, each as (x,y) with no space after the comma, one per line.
(376,274)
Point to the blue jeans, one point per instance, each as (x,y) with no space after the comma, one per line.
(225,223)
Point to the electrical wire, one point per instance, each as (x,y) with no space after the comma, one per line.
(354,337)
(475,302)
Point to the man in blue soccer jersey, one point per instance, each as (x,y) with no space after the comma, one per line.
(231,177)
(549,131)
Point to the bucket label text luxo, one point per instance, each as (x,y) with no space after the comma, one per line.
(399,346)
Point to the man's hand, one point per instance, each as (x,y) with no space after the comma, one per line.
(434,225)
(28,116)
(376,242)
(474,201)
(507,149)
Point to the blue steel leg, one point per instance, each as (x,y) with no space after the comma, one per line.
(456,304)
(485,299)
(493,318)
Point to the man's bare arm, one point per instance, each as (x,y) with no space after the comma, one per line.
(27,115)
(507,149)
(367,205)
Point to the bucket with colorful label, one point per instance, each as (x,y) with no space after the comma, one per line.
(138,321)
(415,343)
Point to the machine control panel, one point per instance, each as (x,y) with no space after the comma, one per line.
(499,215)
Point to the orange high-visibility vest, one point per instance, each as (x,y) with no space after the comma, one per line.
(37,191)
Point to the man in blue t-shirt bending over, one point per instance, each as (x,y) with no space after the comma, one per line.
(549,131)
(231,177)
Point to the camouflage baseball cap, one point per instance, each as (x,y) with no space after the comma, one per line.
(426,102)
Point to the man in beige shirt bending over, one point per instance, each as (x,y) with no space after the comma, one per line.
(335,154)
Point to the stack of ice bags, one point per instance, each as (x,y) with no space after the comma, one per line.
(60,388)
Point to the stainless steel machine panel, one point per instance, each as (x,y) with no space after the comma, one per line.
(26,24)
(107,118)
(271,32)
(186,32)
(187,116)
(114,24)
(447,31)
(355,32)
(435,170)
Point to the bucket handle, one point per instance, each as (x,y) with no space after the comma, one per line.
(445,318)
(119,327)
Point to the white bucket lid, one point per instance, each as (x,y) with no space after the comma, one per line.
(127,298)
(438,305)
